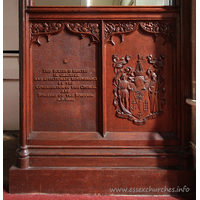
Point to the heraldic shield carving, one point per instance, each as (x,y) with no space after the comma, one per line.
(139,94)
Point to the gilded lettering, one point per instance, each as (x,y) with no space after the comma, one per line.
(62,71)
(75,87)
(49,87)
(65,78)
(60,95)
(46,70)
(48,95)
(65,99)
(38,79)
(83,95)
(60,83)
(69,75)
(79,71)
(85,79)
(69,83)
(88,87)
(64,91)
(70,95)
(56,79)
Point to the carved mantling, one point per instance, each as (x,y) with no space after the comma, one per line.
(138,92)
(165,29)
(47,29)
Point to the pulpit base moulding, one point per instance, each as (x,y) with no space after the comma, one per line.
(102,181)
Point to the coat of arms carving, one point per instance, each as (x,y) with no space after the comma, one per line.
(139,93)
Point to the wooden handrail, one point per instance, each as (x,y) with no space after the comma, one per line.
(191,102)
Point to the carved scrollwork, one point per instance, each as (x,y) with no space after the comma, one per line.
(138,93)
(85,29)
(45,29)
(118,28)
(164,28)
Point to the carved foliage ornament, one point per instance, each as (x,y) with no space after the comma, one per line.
(163,28)
(85,29)
(138,93)
(46,29)
(118,28)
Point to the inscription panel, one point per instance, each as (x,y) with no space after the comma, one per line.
(65,84)
(69,84)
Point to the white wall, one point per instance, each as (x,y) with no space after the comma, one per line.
(11,92)
(10,25)
(10,65)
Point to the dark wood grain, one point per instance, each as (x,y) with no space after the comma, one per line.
(103,94)
(98,180)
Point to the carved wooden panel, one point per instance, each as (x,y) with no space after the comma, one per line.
(140,93)
(46,29)
(65,76)
(102,88)
(139,58)
(166,29)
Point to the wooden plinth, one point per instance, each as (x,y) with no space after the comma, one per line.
(79,180)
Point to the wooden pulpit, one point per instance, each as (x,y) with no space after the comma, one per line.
(103,94)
